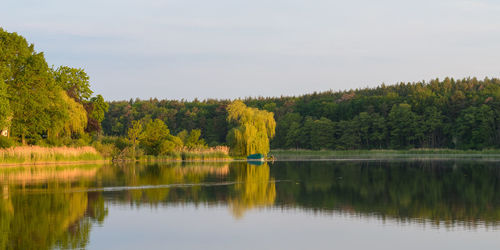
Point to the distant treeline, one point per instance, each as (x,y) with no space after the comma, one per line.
(45,105)
(449,113)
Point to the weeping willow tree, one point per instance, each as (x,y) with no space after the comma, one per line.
(72,120)
(254,128)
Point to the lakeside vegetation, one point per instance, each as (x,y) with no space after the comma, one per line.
(440,114)
(36,154)
(54,107)
(219,153)
(42,105)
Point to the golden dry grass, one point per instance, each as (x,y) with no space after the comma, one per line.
(35,154)
(193,154)
(217,149)
(212,153)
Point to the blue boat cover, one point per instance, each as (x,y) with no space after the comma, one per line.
(255,157)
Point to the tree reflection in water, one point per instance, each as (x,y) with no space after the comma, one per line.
(440,191)
(39,211)
(248,186)
(254,188)
(46,207)
(55,207)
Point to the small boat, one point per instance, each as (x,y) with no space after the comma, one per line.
(255,163)
(256,157)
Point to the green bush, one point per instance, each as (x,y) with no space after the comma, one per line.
(120,142)
(106,150)
(6,142)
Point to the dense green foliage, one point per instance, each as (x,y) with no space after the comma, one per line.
(40,105)
(47,106)
(5,112)
(209,116)
(254,128)
(156,138)
(149,137)
(449,113)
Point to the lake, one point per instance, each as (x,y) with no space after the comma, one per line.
(322,204)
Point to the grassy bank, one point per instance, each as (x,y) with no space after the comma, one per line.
(185,156)
(219,153)
(378,153)
(36,154)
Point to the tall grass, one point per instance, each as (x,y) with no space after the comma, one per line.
(193,154)
(37,154)
(204,154)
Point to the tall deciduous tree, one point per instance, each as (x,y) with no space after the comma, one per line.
(283,126)
(476,127)
(292,136)
(32,91)
(156,138)
(192,140)
(322,134)
(74,81)
(254,128)
(134,132)
(96,109)
(402,123)
(72,118)
(154,134)
(5,112)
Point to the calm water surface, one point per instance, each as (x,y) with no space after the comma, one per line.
(375,204)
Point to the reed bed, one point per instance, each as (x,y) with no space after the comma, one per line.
(37,154)
(213,153)
(193,154)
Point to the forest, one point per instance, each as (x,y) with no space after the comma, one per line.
(55,106)
(447,113)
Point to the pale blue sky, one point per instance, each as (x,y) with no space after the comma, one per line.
(230,48)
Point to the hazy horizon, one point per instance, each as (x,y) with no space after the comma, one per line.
(229,49)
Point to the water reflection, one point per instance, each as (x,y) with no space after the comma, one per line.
(243,186)
(254,188)
(464,192)
(50,218)
(48,207)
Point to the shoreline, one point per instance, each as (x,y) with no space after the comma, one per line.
(52,163)
(300,155)
(386,151)
(110,161)
(384,154)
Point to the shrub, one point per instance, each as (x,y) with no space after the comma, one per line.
(106,150)
(6,142)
